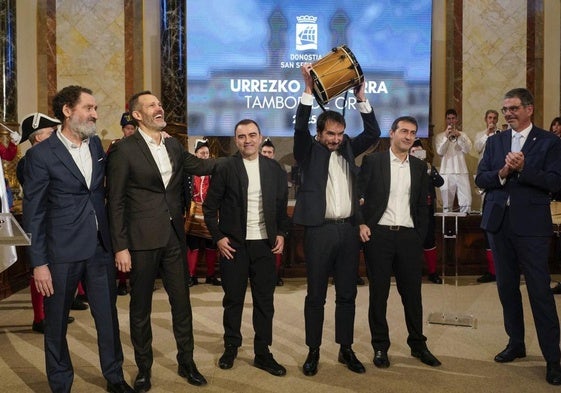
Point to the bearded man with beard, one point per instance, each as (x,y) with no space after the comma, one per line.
(64,210)
(146,205)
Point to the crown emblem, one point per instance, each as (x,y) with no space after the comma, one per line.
(306,19)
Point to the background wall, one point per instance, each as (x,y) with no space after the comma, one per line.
(91,43)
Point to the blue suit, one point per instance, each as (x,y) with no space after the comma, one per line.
(69,232)
(517,219)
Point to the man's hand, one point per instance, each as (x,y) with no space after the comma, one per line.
(43,280)
(515,161)
(225,249)
(279,245)
(364,233)
(123,260)
(308,80)
(359,92)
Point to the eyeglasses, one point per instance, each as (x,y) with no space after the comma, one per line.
(512,109)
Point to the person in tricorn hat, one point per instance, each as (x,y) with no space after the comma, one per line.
(128,126)
(199,239)
(36,127)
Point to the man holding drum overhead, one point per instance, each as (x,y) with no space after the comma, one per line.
(326,206)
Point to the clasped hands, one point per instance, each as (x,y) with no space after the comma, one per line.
(514,162)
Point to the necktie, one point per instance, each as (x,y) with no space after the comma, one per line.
(516,142)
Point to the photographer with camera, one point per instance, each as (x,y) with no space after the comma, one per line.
(452,145)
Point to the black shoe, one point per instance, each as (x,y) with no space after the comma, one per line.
(556,289)
(310,366)
(280,282)
(553,373)
(426,357)
(77,304)
(348,357)
(189,371)
(70,320)
(487,277)
(213,280)
(193,281)
(359,281)
(142,382)
(435,278)
(268,363)
(381,359)
(122,289)
(82,298)
(226,361)
(38,327)
(120,387)
(509,354)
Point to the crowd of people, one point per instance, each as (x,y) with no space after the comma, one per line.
(93,214)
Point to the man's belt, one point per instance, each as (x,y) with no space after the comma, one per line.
(337,220)
(394,227)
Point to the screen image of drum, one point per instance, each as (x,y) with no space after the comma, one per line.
(335,73)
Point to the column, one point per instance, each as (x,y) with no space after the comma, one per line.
(174,60)
(8,87)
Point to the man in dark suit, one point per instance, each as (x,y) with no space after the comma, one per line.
(146,206)
(64,210)
(326,205)
(249,193)
(395,214)
(519,170)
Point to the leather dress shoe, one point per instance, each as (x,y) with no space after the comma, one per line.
(213,280)
(119,387)
(142,382)
(487,277)
(435,278)
(39,327)
(381,359)
(122,289)
(359,280)
(193,281)
(553,374)
(509,354)
(78,304)
(348,357)
(268,363)
(556,289)
(280,282)
(189,371)
(426,357)
(310,366)
(226,361)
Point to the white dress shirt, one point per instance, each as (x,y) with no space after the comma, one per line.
(160,155)
(398,211)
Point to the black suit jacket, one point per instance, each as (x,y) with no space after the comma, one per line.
(140,206)
(62,214)
(313,159)
(225,206)
(374,180)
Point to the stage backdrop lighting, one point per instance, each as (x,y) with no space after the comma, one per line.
(244,58)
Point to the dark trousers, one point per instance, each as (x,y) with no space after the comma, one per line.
(399,252)
(169,261)
(98,274)
(331,249)
(514,254)
(254,261)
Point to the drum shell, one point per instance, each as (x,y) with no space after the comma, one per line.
(335,73)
